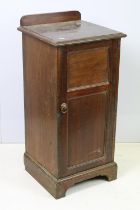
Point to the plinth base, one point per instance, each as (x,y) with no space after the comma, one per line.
(58,187)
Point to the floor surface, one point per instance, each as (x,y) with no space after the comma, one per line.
(19,191)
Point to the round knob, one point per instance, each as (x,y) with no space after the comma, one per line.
(63,108)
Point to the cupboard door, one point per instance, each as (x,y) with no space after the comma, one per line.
(86,128)
(87,123)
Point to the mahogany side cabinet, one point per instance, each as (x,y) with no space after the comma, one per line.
(71,71)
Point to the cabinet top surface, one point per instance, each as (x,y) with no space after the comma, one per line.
(71,32)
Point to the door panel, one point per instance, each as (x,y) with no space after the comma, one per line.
(87,67)
(86,126)
(86,131)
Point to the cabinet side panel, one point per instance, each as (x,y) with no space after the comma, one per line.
(40,87)
(114,78)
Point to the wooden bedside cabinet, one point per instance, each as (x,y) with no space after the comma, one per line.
(71,71)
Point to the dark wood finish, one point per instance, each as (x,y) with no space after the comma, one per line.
(95,61)
(70,95)
(88,90)
(86,127)
(107,113)
(71,32)
(58,187)
(36,19)
(40,102)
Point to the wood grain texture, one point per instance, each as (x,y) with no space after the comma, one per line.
(86,127)
(87,90)
(47,138)
(87,67)
(64,147)
(71,32)
(40,92)
(36,19)
(114,78)
(58,187)
(108,113)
